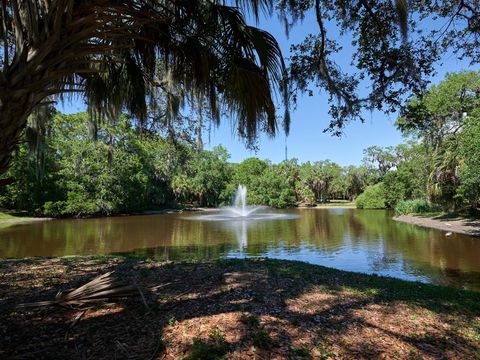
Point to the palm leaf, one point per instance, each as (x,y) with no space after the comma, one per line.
(103,288)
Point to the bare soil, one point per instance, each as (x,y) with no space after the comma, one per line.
(235,309)
(450,224)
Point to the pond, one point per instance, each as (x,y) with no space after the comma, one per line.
(367,241)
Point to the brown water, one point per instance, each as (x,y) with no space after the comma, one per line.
(356,240)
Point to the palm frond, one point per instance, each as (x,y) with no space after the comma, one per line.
(110,50)
(103,288)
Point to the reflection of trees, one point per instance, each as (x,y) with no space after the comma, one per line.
(387,245)
(419,250)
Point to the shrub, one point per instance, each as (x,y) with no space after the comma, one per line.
(52,208)
(372,198)
(415,206)
(70,208)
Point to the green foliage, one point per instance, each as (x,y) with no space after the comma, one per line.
(110,167)
(275,189)
(173,54)
(172,321)
(263,340)
(204,178)
(379,160)
(372,198)
(267,184)
(201,350)
(444,119)
(306,195)
(395,188)
(415,206)
(469,188)
(80,168)
(115,170)
(409,179)
(324,179)
(249,173)
(387,62)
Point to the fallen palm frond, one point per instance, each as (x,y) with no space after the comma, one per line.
(101,289)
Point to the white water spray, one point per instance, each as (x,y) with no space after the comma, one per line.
(242,212)
(240,207)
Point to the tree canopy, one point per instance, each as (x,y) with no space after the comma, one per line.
(141,55)
(121,54)
(395,45)
(73,172)
(66,166)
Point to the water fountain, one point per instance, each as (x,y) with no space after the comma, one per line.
(240,207)
(242,212)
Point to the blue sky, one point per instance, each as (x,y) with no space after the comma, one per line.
(306,141)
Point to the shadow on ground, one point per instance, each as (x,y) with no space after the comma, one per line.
(234,309)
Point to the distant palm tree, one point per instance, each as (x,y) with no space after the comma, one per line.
(444,177)
(110,51)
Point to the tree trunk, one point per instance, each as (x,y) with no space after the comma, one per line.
(13,118)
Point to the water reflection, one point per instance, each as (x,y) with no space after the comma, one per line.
(355,240)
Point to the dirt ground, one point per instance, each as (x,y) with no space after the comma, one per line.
(449,224)
(233,309)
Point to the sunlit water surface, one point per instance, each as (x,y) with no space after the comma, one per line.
(365,241)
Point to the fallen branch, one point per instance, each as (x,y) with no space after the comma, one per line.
(101,289)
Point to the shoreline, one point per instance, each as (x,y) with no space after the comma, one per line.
(235,308)
(19,220)
(332,207)
(25,220)
(457,225)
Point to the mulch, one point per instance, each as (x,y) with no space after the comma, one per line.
(231,309)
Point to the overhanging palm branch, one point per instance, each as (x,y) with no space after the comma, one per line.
(110,50)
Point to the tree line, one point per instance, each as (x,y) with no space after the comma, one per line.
(133,55)
(439,167)
(68,165)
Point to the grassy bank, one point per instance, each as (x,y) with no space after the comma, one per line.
(233,309)
(346,204)
(12,217)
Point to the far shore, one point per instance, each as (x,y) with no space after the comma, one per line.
(337,204)
(334,206)
(449,224)
(7,218)
(22,220)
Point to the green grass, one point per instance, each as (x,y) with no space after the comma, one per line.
(413,206)
(9,218)
(337,203)
(263,340)
(14,216)
(202,350)
(6,216)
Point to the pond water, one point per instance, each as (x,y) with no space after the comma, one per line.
(367,241)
